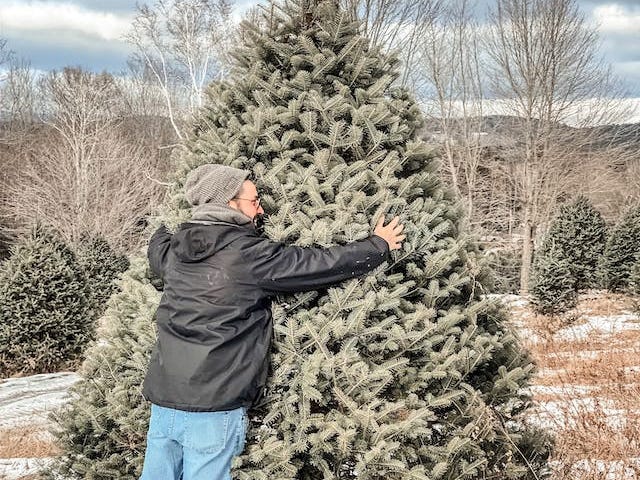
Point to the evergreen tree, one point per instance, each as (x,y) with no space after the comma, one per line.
(102,431)
(553,288)
(405,373)
(579,233)
(569,256)
(620,252)
(634,277)
(101,265)
(634,284)
(46,317)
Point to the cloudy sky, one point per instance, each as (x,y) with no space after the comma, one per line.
(56,33)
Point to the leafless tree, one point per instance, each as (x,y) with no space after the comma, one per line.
(18,94)
(546,71)
(184,45)
(18,103)
(447,69)
(5,53)
(83,175)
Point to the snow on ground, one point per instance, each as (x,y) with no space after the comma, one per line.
(572,390)
(568,412)
(528,334)
(607,470)
(609,325)
(15,468)
(27,401)
(508,299)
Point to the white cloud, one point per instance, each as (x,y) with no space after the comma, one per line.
(39,17)
(613,18)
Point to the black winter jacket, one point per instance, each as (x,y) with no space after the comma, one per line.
(214,318)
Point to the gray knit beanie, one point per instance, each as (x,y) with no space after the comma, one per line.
(213,183)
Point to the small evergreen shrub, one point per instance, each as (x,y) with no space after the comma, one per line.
(102,265)
(568,259)
(579,231)
(96,431)
(504,265)
(634,284)
(46,317)
(553,288)
(621,252)
(634,277)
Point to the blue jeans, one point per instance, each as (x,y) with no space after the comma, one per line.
(193,445)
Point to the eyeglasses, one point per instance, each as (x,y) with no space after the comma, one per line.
(254,201)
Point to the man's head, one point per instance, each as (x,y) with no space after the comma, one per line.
(223,185)
(247,200)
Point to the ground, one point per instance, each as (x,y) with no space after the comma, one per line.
(587,391)
(587,386)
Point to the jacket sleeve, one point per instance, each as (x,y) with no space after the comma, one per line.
(158,248)
(282,268)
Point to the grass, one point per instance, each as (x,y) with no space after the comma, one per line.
(26,442)
(588,389)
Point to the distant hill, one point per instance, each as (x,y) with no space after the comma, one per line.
(503,130)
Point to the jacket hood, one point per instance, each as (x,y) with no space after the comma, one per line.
(196,240)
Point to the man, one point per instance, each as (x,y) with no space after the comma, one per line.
(210,362)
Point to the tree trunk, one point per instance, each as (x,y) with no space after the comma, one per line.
(527,254)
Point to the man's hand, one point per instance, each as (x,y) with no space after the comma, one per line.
(391,233)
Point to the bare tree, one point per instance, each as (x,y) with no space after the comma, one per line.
(448,71)
(544,65)
(5,54)
(83,175)
(184,45)
(18,103)
(18,93)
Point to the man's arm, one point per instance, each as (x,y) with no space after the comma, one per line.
(282,268)
(158,249)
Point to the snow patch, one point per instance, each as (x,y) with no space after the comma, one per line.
(29,400)
(566,414)
(15,468)
(528,335)
(607,470)
(597,325)
(509,299)
(561,389)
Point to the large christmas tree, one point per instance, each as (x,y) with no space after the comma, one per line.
(405,373)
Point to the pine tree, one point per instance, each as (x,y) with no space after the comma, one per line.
(102,431)
(634,284)
(553,288)
(405,373)
(579,232)
(101,265)
(634,277)
(46,317)
(569,256)
(620,252)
